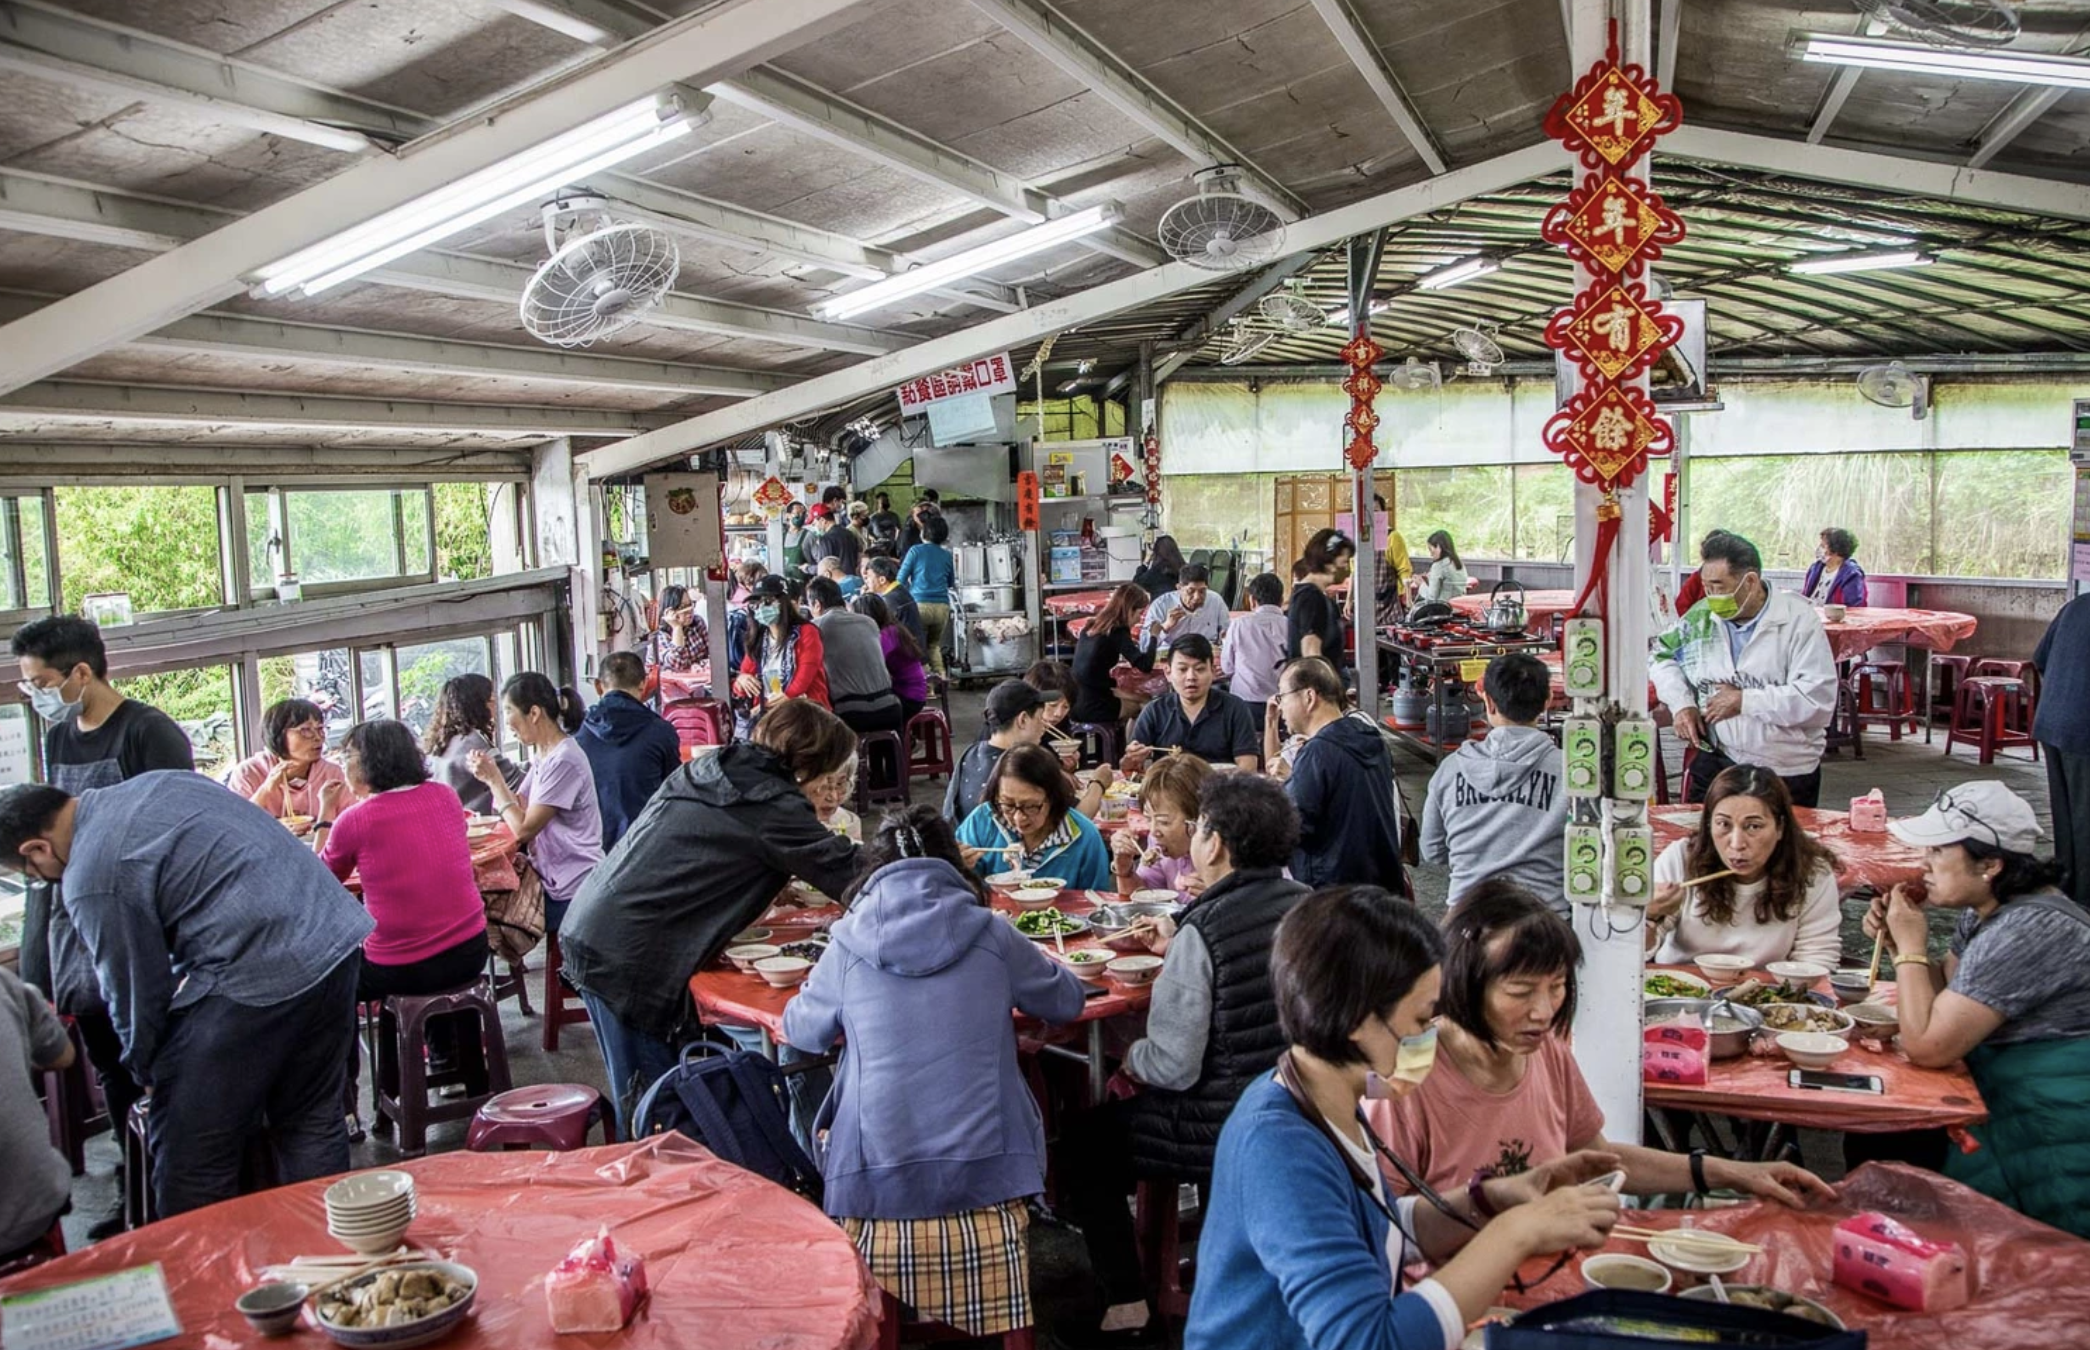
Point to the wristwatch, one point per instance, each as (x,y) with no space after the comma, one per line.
(1698,1181)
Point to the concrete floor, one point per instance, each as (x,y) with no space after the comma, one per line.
(1909,772)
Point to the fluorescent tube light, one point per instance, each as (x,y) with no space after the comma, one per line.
(1466,269)
(944,271)
(1861,262)
(516,181)
(2064,72)
(1339,317)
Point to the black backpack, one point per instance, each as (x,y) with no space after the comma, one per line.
(733,1103)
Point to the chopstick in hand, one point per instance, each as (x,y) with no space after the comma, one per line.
(1709,876)
(1879,942)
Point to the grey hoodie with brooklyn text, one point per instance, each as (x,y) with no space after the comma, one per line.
(1496,806)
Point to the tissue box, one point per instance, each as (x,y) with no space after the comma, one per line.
(1675,1052)
(594,1288)
(1890,1261)
(1869,813)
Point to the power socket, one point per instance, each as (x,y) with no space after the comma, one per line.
(1582,756)
(1582,658)
(1585,864)
(1633,763)
(1632,864)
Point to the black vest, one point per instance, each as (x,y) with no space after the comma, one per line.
(1176,1134)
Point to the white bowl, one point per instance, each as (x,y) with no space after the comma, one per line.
(1607,1270)
(746,954)
(1812,1049)
(1154,897)
(1135,970)
(1034,897)
(1008,880)
(1698,987)
(1797,972)
(1722,968)
(748,935)
(1051,883)
(784,971)
(1681,1254)
(389,1213)
(373,1244)
(1091,966)
(368,1190)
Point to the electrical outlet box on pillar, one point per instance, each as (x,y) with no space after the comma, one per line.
(1633,759)
(1582,658)
(1632,865)
(1585,864)
(1582,756)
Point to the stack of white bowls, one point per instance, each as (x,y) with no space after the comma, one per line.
(371,1211)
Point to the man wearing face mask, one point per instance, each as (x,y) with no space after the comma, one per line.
(95,737)
(1748,676)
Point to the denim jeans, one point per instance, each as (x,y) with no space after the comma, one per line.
(226,1069)
(632,1060)
(807,1089)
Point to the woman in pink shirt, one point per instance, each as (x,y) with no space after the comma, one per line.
(1505,1095)
(293,779)
(406,840)
(1168,796)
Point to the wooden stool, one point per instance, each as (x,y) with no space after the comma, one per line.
(1984,710)
(1867,680)
(405,1017)
(871,790)
(549,1115)
(557,1011)
(893,1332)
(1160,1226)
(1957,668)
(929,753)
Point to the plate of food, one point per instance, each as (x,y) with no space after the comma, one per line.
(1088,963)
(1670,984)
(1757,993)
(1043,925)
(397,1307)
(1008,880)
(1033,896)
(1806,1017)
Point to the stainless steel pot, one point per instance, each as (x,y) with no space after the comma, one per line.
(1725,1044)
(978,598)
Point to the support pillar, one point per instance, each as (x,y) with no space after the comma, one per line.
(1364,251)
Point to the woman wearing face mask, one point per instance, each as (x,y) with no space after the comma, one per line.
(1506,1094)
(1169,797)
(555,814)
(1780,904)
(1834,577)
(782,657)
(1298,1250)
(293,779)
(2012,997)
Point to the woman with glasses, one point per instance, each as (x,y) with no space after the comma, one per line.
(292,779)
(1506,1094)
(1773,895)
(2011,996)
(1026,821)
(1298,1248)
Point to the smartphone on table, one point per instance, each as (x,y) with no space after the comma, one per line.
(1823,1081)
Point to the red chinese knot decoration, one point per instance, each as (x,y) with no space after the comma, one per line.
(1360,355)
(1150,451)
(1614,224)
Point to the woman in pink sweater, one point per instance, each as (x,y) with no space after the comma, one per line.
(406,839)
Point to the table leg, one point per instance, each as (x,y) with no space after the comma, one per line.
(768,1045)
(1930,685)
(1098,1078)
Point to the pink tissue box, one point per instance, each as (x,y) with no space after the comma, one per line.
(594,1289)
(1882,1257)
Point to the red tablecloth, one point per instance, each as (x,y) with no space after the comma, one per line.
(1139,683)
(1079,624)
(2032,1282)
(724,994)
(1066,604)
(1860,630)
(493,863)
(734,1260)
(1877,860)
(1540,607)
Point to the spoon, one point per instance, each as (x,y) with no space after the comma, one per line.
(1719,1289)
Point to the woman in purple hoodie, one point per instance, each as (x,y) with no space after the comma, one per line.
(933,1139)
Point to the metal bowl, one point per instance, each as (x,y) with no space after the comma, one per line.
(1777,1300)
(1725,1044)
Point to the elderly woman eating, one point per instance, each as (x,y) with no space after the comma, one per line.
(292,779)
(1026,821)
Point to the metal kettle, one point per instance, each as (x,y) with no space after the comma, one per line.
(1505,612)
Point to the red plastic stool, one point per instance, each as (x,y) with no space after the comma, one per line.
(2015,670)
(873,788)
(699,721)
(1868,680)
(407,1102)
(1983,713)
(557,1011)
(1160,1225)
(1957,668)
(894,1332)
(548,1115)
(49,1247)
(929,753)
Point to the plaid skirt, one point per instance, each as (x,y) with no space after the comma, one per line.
(970,1271)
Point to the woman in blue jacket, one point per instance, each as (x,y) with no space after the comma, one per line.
(927,572)
(933,1138)
(1026,822)
(1295,1245)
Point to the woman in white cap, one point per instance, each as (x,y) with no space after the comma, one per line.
(2012,998)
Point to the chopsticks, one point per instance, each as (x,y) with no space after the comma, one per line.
(323,1270)
(1689,1237)
(1872,976)
(1709,876)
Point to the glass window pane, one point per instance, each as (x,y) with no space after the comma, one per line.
(342,536)
(159,545)
(1782,503)
(1545,513)
(1470,503)
(23,569)
(201,701)
(377,692)
(264,549)
(463,543)
(321,678)
(424,669)
(413,516)
(1211,510)
(2004,513)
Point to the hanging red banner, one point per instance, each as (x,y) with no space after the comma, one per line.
(1612,225)
(1614,332)
(1613,115)
(1607,433)
(1360,354)
(1150,450)
(1026,500)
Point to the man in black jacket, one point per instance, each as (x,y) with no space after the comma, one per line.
(2062,725)
(631,748)
(1341,781)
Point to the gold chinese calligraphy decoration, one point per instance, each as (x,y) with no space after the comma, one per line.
(1360,355)
(1614,224)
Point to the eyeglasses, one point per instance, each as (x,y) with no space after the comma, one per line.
(1946,801)
(1025,809)
(1284,694)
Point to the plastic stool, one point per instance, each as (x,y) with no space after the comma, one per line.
(1958,668)
(257,1166)
(1987,726)
(557,1012)
(550,1115)
(2015,670)
(1867,681)
(940,690)
(1105,735)
(408,1104)
(870,790)
(929,752)
(73,1106)
(893,1332)
(1160,1226)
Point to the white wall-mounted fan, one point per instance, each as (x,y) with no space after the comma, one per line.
(1221,228)
(1290,310)
(1483,354)
(1413,375)
(1894,385)
(603,276)
(1949,23)
(1245,340)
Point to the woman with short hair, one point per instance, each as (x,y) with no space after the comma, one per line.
(1780,901)
(1168,796)
(927,571)
(2012,996)
(1447,579)
(1027,822)
(292,778)
(1834,577)
(555,814)
(463,726)
(1297,1251)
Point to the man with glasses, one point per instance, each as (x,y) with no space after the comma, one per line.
(95,737)
(1341,782)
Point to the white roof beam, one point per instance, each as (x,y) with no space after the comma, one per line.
(1371,64)
(1196,333)
(1839,89)
(236,335)
(1886,173)
(1016,330)
(2027,108)
(91,403)
(1048,33)
(703,47)
(1672,29)
(38,39)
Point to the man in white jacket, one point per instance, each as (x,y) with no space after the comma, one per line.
(1747,674)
